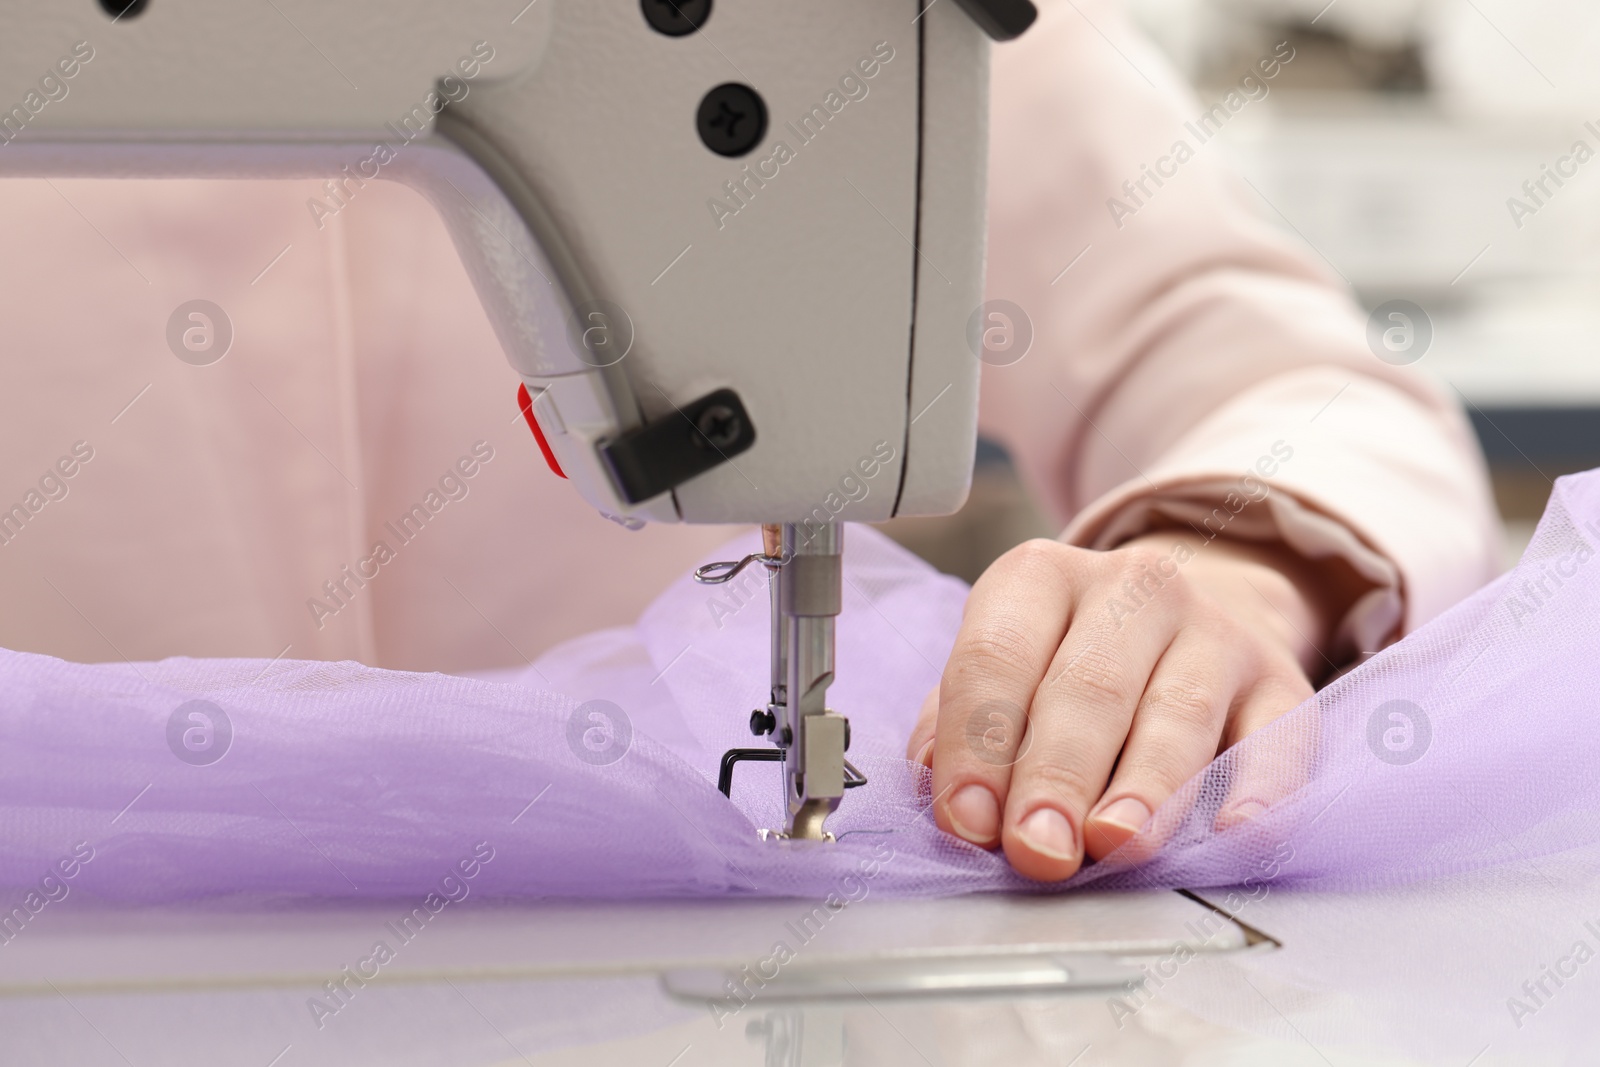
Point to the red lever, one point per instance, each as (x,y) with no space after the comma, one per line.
(525,402)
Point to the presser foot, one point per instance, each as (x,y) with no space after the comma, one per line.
(811,815)
(784,835)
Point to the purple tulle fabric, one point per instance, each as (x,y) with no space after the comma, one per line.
(1471,745)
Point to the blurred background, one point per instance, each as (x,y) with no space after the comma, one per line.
(1392,144)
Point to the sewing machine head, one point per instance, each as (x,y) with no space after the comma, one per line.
(731,248)
(777,242)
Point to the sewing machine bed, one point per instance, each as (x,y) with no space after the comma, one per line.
(213,984)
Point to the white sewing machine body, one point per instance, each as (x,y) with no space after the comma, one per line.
(732,248)
(629,269)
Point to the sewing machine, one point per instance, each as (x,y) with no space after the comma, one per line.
(734,252)
(732,248)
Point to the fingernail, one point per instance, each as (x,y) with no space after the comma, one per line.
(1128,813)
(925,754)
(1047,831)
(975,814)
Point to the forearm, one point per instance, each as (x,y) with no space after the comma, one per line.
(1190,342)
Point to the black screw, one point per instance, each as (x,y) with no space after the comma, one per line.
(785,737)
(732,119)
(719,426)
(762,722)
(676,18)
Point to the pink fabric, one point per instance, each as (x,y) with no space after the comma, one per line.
(216,506)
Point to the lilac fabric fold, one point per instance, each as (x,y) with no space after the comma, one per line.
(592,774)
(1469,745)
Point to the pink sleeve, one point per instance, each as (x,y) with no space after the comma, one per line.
(1183,342)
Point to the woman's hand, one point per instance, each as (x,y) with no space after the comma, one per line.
(1085,687)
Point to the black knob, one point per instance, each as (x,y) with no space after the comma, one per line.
(1001,19)
(676,18)
(732,119)
(762,722)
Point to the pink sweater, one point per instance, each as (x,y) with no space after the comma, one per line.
(234,509)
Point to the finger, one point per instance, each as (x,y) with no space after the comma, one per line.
(919,746)
(1271,766)
(1079,721)
(1177,728)
(1014,621)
